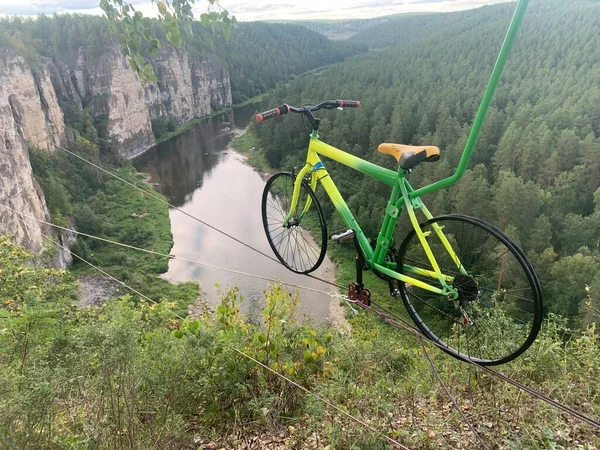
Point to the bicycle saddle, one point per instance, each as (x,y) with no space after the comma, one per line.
(408,156)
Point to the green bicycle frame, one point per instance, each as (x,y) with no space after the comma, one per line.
(403,195)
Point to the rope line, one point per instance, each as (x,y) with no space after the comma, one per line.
(407,326)
(170,205)
(449,395)
(169,256)
(327,402)
(302,388)
(103,272)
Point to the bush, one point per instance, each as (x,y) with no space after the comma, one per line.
(162,125)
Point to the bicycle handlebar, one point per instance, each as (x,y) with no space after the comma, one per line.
(285,108)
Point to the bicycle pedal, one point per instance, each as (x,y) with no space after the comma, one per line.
(359,294)
(342,236)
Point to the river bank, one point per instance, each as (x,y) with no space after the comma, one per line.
(200,173)
(198,120)
(246,146)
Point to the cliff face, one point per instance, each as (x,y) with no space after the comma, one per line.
(185,89)
(29,115)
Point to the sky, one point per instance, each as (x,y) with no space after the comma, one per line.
(261,9)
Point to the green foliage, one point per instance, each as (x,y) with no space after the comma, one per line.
(175,17)
(161,126)
(537,164)
(292,49)
(260,55)
(133,375)
(247,144)
(78,194)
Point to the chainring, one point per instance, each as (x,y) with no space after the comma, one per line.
(392,256)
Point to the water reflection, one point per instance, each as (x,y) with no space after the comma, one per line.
(179,165)
(198,172)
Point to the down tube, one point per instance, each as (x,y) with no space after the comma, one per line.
(344,211)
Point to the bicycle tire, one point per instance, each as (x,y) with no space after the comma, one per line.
(298,249)
(504,324)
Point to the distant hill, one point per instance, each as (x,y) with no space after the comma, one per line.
(261,54)
(344,29)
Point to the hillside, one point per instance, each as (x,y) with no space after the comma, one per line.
(133,374)
(259,54)
(535,171)
(64,79)
(345,28)
(143,370)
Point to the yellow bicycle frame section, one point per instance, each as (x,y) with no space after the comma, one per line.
(399,200)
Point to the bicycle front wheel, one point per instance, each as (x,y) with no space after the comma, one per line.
(301,243)
(498,312)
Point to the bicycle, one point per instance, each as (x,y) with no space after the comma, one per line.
(465,284)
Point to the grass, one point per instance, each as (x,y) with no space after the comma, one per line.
(255,158)
(130,375)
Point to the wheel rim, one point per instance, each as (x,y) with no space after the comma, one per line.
(300,244)
(497,314)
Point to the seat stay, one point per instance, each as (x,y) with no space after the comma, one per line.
(399,199)
(408,203)
(439,232)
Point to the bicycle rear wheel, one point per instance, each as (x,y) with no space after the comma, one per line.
(300,244)
(498,312)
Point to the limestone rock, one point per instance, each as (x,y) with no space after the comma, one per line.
(23,121)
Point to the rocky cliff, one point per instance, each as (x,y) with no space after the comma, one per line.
(31,115)
(185,89)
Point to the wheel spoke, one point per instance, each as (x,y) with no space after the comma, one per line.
(299,248)
(504,315)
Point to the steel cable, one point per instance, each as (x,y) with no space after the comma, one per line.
(170,205)
(166,255)
(407,327)
(318,397)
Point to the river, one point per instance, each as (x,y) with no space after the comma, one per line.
(198,172)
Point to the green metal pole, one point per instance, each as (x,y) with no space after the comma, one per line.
(509,40)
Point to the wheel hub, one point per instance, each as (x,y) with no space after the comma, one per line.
(468,290)
(292,223)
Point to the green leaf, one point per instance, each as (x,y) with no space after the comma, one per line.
(307,355)
(162,8)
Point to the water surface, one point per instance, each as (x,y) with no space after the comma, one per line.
(199,173)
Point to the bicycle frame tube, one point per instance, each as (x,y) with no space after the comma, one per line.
(486,101)
(399,199)
(403,195)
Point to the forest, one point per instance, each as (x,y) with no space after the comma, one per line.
(535,171)
(258,55)
(139,373)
